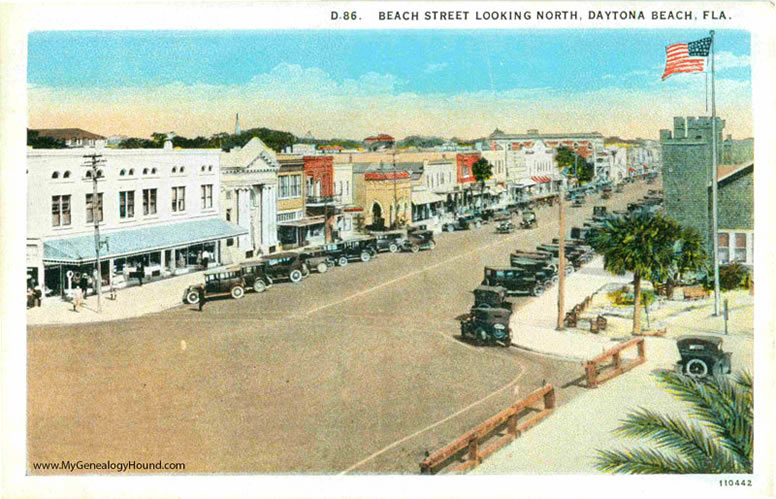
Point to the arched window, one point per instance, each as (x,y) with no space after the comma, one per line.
(55,175)
(99,174)
(122,173)
(66,174)
(131,171)
(210,168)
(181,169)
(153,171)
(174,169)
(145,171)
(202,169)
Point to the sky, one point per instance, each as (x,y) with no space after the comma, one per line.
(352,84)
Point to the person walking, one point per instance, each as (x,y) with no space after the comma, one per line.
(201,296)
(78,299)
(205,258)
(84,284)
(140,270)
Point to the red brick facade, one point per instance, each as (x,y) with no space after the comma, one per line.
(321,169)
(465,162)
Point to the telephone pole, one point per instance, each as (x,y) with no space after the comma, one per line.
(94,161)
(394,222)
(561,258)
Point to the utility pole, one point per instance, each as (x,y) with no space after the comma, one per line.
(561,258)
(714,222)
(94,161)
(394,222)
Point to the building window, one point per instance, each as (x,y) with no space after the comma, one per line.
(174,169)
(91,210)
(289,186)
(145,171)
(60,210)
(210,168)
(740,251)
(153,171)
(228,195)
(88,174)
(122,173)
(228,214)
(126,204)
(178,199)
(149,201)
(55,175)
(66,174)
(181,170)
(100,174)
(724,247)
(207,196)
(131,171)
(202,168)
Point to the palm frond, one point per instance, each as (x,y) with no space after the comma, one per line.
(644,462)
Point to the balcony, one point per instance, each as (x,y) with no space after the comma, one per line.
(323,200)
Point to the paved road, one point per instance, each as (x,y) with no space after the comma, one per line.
(356,370)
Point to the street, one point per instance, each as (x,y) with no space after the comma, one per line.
(359,369)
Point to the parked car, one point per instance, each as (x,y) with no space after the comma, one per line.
(342,252)
(487,326)
(702,356)
(529,220)
(282,266)
(419,239)
(317,258)
(217,283)
(505,227)
(254,276)
(392,241)
(514,280)
(491,297)
(546,274)
(463,222)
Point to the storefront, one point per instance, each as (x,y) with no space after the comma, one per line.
(302,232)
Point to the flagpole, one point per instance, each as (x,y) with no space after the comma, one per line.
(714,224)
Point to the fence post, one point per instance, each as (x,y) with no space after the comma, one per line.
(549,399)
(640,346)
(617,361)
(590,372)
(512,425)
(474,449)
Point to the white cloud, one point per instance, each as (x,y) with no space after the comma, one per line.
(607,77)
(724,60)
(435,67)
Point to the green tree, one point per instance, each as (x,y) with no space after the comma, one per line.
(482,170)
(575,164)
(37,142)
(641,243)
(718,439)
(690,252)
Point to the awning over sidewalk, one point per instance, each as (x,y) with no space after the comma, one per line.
(425,197)
(135,241)
(304,222)
(541,179)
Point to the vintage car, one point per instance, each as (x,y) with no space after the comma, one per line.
(463,222)
(702,356)
(599,211)
(578,203)
(280,266)
(342,252)
(218,283)
(529,220)
(316,257)
(491,297)
(546,274)
(419,239)
(254,276)
(505,227)
(546,258)
(514,280)
(392,241)
(487,326)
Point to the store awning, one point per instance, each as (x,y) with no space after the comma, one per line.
(425,197)
(524,183)
(304,222)
(497,190)
(80,249)
(541,180)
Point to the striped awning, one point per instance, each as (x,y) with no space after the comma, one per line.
(541,180)
(80,249)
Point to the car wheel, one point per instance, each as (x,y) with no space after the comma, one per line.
(237,292)
(431,245)
(415,248)
(342,261)
(366,256)
(305,271)
(322,268)
(192,297)
(696,368)
(393,248)
(295,276)
(450,228)
(478,224)
(259,286)
(537,290)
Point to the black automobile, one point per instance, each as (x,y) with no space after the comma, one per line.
(546,274)
(487,326)
(254,276)
(544,257)
(392,241)
(599,211)
(463,222)
(505,227)
(529,220)
(282,266)
(317,258)
(342,252)
(218,283)
(514,280)
(702,356)
(419,239)
(491,297)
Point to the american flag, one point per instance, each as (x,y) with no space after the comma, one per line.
(687,57)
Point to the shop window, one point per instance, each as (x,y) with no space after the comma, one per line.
(724,247)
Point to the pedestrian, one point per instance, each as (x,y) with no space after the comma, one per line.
(78,299)
(140,270)
(201,296)
(205,258)
(199,259)
(37,293)
(84,285)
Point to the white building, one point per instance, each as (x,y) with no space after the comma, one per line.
(158,207)
(343,196)
(301,150)
(249,178)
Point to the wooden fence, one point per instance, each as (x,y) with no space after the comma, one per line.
(617,367)
(470,445)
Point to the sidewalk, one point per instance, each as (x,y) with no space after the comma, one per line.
(130,302)
(566,442)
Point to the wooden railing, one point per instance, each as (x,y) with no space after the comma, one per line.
(617,367)
(469,445)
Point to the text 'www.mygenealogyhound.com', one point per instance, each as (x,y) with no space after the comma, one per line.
(108,466)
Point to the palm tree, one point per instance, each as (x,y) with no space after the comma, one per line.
(482,171)
(691,255)
(641,243)
(718,440)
